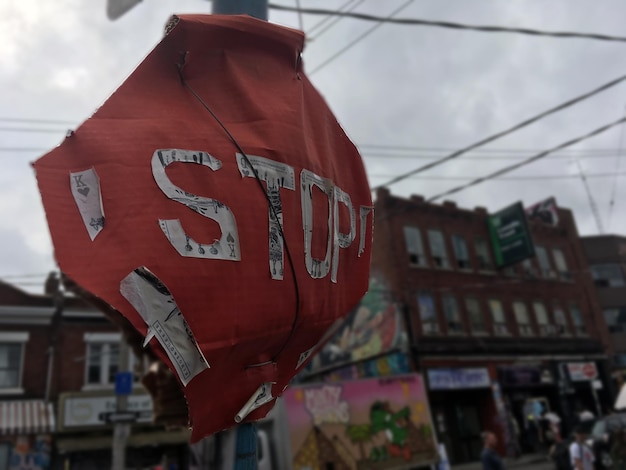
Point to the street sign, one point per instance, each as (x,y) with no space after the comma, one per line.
(582,371)
(510,235)
(232,252)
(123,383)
(120,417)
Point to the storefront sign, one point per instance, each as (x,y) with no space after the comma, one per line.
(545,211)
(582,371)
(520,376)
(510,236)
(458,379)
(85,411)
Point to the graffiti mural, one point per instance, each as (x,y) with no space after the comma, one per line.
(30,454)
(367,424)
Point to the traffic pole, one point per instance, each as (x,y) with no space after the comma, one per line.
(246,439)
(121,430)
(256,8)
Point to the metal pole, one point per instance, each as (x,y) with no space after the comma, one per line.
(121,431)
(256,8)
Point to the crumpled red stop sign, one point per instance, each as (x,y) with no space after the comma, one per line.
(231,249)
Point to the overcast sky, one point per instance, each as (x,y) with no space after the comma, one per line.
(401,86)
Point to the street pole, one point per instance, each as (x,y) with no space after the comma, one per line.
(256,8)
(246,439)
(121,430)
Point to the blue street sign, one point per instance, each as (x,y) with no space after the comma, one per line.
(123,383)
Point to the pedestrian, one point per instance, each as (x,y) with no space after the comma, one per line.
(580,454)
(489,457)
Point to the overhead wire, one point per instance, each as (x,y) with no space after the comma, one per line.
(32,129)
(328,18)
(334,22)
(358,39)
(592,202)
(614,188)
(510,178)
(480,156)
(505,132)
(453,25)
(532,159)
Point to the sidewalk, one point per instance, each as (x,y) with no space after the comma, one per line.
(526,460)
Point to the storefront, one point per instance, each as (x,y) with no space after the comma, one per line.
(462,406)
(85,436)
(26,433)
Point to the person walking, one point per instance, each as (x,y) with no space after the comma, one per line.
(489,457)
(580,454)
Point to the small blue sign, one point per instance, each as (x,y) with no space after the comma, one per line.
(123,383)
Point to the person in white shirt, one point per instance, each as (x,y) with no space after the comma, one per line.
(580,454)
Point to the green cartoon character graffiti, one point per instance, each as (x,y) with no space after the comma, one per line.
(395,426)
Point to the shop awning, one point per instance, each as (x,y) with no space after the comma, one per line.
(138,439)
(26,417)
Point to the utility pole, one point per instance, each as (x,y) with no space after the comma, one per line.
(256,8)
(121,429)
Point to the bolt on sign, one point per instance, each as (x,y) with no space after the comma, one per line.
(216,203)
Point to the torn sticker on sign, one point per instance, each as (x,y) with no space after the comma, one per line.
(276,175)
(304,356)
(227,247)
(259,398)
(85,187)
(364,211)
(153,301)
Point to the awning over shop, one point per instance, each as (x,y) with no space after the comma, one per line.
(26,417)
(140,439)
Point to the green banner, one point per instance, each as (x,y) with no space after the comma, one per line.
(510,236)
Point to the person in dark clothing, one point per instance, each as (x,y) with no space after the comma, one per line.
(489,457)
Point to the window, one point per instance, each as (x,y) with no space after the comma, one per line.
(522,318)
(460,252)
(102,359)
(438,249)
(453,316)
(577,320)
(414,246)
(475,314)
(498,318)
(562,328)
(428,314)
(541,315)
(544,262)
(607,275)
(482,253)
(561,265)
(615,319)
(528,269)
(11,361)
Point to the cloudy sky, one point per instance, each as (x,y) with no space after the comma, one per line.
(405,95)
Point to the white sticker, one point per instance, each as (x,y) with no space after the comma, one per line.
(276,175)
(227,247)
(259,398)
(153,301)
(86,191)
(317,268)
(304,356)
(342,240)
(364,212)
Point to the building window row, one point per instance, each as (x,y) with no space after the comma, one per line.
(607,275)
(550,267)
(531,320)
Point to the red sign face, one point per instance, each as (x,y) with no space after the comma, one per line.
(232,259)
(589,370)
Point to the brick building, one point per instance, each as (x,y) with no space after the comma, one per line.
(496,345)
(58,359)
(606,255)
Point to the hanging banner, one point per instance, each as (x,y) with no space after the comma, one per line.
(215,202)
(546,211)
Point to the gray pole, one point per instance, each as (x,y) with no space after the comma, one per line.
(121,431)
(256,8)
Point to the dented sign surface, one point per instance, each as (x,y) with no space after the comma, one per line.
(233,260)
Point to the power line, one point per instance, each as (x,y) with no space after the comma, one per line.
(357,40)
(510,178)
(32,129)
(328,18)
(22,149)
(479,156)
(450,149)
(506,132)
(453,25)
(335,20)
(543,154)
(36,121)
(614,188)
(592,202)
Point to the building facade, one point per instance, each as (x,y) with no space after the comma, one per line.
(606,255)
(58,360)
(498,346)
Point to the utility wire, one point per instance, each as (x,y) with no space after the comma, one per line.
(328,18)
(32,129)
(592,202)
(506,132)
(510,178)
(452,25)
(401,148)
(334,21)
(357,40)
(614,188)
(36,121)
(562,156)
(300,20)
(543,154)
